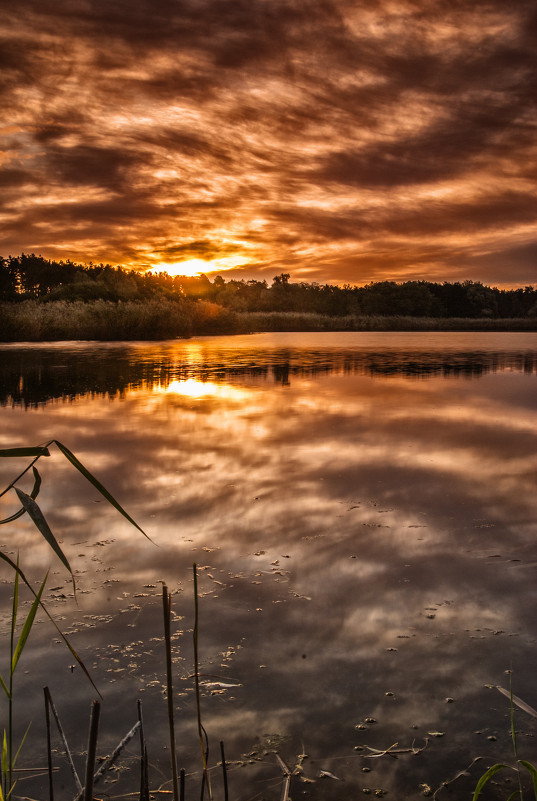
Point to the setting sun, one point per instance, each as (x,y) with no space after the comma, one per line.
(193,267)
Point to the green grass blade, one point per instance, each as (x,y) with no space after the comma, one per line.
(5,688)
(15,606)
(4,754)
(19,749)
(97,484)
(26,629)
(533,773)
(485,778)
(38,518)
(60,633)
(22,452)
(514,795)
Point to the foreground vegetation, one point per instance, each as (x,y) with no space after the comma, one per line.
(61,300)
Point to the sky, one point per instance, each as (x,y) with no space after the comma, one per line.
(341,141)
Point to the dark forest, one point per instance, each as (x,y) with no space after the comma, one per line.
(30,277)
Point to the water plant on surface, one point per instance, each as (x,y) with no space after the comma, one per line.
(17,644)
(519,763)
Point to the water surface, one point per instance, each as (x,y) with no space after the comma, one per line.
(362,510)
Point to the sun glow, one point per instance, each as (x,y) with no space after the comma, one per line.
(194,267)
(201,389)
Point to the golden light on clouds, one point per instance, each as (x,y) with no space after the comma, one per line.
(340,141)
(194,267)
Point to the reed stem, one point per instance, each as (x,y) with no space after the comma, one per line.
(204,742)
(224,770)
(167,607)
(49,748)
(92,750)
(144,773)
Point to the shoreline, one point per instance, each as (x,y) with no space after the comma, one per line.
(107,321)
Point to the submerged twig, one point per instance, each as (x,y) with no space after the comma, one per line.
(107,764)
(393,751)
(458,775)
(287,773)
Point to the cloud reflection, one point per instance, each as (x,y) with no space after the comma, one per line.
(356,534)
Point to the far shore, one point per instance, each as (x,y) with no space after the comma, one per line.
(293,321)
(107,321)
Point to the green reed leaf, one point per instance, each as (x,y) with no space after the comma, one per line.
(26,629)
(4,754)
(97,484)
(19,749)
(5,688)
(533,773)
(486,777)
(25,452)
(15,605)
(38,518)
(60,633)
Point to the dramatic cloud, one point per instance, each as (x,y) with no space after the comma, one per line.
(339,140)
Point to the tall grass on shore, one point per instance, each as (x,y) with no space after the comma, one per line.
(306,321)
(104,320)
(32,321)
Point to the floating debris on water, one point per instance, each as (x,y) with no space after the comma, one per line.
(326,774)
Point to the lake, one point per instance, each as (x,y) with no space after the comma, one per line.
(362,509)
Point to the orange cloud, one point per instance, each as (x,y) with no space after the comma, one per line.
(331,141)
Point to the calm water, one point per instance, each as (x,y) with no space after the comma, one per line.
(363,512)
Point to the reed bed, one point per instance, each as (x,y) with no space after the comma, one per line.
(309,321)
(32,321)
(104,320)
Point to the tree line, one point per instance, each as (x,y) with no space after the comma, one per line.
(27,277)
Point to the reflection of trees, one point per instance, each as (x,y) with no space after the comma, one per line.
(29,377)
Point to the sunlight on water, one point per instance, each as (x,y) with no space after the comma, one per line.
(200,389)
